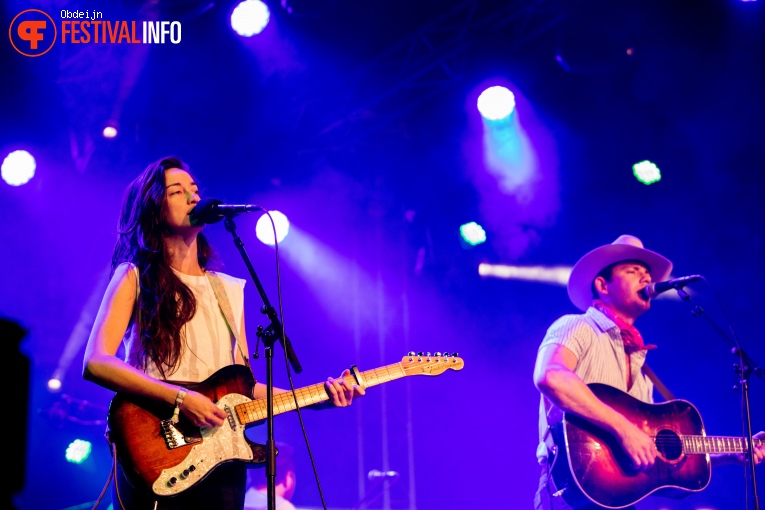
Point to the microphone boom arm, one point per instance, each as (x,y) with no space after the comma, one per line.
(275,330)
(745,368)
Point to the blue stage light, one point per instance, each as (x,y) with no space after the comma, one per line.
(496,103)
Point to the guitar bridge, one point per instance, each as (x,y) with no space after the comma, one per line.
(173,436)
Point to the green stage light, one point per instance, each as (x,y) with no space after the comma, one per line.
(472,233)
(646,172)
(78,450)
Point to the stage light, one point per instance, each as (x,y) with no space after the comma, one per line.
(54,384)
(472,233)
(250,18)
(265,231)
(110,130)
(557,275)
(496,103)
(646,172)
(18,168)
(78,451)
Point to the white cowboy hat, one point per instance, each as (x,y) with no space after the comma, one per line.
(626,247)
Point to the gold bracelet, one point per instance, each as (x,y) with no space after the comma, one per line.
(178,401)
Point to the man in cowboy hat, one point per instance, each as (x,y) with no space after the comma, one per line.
(601,345)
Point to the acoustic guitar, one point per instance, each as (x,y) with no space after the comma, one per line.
(590,467)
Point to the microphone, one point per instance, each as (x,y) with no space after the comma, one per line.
(654,289)
(376,474)
(212,210)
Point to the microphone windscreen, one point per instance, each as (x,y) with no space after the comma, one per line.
(205,212)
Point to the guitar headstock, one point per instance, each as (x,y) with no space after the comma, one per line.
(425,363)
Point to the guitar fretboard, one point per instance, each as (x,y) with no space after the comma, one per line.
(715,444)
(256,410)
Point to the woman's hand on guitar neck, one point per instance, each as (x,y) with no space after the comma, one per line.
(638,445)
(340,392)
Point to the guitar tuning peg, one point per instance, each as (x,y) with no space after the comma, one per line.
(410,353)
(420,353)
(437,354)
(427,354)
(455,354)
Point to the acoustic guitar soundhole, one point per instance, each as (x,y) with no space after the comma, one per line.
(669,444)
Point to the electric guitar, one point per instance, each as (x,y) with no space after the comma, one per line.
(166,458)
(591,467)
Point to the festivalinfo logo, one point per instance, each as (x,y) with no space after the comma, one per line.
(34,32)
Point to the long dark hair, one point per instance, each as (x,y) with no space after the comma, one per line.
(165,303)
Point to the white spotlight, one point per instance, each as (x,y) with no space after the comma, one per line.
(496,103)
(110,130)
(54,384)
(265,230)
(18,168)
(250,17)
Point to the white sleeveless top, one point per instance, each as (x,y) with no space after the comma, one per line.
(209,344)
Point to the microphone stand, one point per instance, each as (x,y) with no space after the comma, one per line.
(270,335)
(745,367)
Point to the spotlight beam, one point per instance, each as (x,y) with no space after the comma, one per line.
(81,330)
(556,275)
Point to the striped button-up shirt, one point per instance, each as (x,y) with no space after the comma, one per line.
(597,344)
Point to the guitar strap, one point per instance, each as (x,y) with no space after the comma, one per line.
(225,307)
(662,389)
(223,303)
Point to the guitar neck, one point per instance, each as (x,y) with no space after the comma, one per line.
(256,410)
(716,444)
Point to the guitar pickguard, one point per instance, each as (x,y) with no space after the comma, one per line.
(216,446)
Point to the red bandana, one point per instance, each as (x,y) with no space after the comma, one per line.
(633,340)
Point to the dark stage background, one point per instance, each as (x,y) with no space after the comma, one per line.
(358,120)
